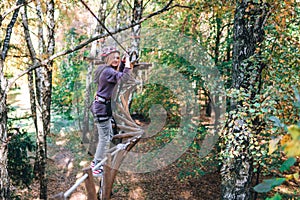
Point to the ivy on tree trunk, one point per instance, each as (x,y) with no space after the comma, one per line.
(237,168)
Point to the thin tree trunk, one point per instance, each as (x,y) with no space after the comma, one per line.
(46,100)
(9,30)
(36,93)
(41,98)
(33,58)
(136,30)
(36,106)
(237,170)
(95,47)
(118,17)
(212,98)
(4,180)
(218,38)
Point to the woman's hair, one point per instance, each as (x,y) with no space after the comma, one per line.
(110,58)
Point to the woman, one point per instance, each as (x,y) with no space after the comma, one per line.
(106,77)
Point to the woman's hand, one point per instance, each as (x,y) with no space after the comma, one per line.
(127,61)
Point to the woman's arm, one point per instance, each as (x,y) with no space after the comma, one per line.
(113,76)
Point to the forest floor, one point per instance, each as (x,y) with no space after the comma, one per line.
(184,179)
(187,178)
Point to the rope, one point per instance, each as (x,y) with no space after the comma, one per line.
(103,25)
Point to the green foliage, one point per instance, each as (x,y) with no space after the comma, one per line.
(269,184)
(277,122)
(201,133)
(287,164)
(156,94)
(68,84)
(20,169)
(276,197)
(291,148)
(245,132)
(267,112)
(160,94)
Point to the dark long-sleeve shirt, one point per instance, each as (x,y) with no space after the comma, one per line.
(107,81)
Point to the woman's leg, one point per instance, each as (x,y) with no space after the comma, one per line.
(104,138)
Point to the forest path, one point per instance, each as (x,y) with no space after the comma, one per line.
(186,178)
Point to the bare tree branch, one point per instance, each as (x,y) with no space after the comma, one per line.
(12,10)
(9,30)
(146,4)
(129,4)
(97,37)
(27,35)
(110,10)
(85,43)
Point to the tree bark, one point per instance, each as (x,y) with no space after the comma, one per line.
(4,180)
(237,170)
(95,47)
(9,30)
(136,30)
(41,94)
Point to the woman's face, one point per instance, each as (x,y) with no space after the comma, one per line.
(114,59)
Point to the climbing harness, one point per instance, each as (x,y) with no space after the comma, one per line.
(132,134)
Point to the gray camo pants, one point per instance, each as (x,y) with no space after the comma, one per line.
(105,134)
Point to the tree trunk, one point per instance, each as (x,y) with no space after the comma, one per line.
(87,102)
(118,17)
(4,178)
(237,169)
(41,94)
(95,47)
(136,30)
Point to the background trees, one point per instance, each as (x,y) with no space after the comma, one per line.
(254,45)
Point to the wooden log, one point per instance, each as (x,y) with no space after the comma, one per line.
(97,61)
(127,135)
(127,121)
(122,110)
(124,103)
(90,185)
(107,181)
(142,65)
(133,141)
(128,128)
(120,157)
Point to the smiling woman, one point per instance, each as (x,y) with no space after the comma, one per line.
(106,77)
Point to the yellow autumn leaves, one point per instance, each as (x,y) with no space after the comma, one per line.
(291,141)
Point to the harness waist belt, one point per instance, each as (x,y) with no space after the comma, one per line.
(101,99)
(101,118)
